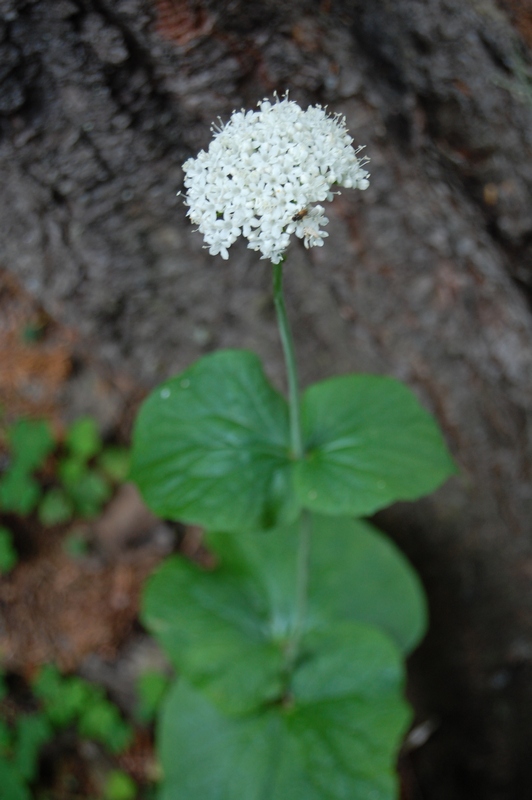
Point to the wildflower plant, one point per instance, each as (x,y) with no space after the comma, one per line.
(290,651)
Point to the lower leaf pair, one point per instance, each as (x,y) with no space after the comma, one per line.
(236,725)
(334,737)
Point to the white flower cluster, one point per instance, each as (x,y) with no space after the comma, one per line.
(262,174)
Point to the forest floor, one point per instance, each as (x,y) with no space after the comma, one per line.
(72,597)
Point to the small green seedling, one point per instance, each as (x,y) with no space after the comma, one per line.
(120,786)
(83,439)
(20,747)
(102,722)
(30,442)
(55,507)
(68,700)
(86,471)
(114,462)
(64,702)
(85,487)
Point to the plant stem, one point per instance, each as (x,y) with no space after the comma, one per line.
(302,582)
(296,440)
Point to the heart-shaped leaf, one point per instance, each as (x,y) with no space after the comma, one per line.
(368,442)
(227,630)
(212,446)
(334,735)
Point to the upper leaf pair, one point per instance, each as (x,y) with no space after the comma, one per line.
(212,447)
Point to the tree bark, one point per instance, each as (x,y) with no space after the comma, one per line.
(427,275)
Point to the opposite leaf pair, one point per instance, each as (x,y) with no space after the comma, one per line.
(212,447)
(235,725)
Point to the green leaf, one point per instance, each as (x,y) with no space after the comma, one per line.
(368,442)
(19,492)
(226,630)
(91,494)
(120,786)
(8,554)
(215,628)
(13,785)
(31,441)
(32,732)
(70,699)
(151,687)
(55,507)
(63,698)
(6,738)
(71,470)
(83,438)
(212,446)
(114,462)
(102,722)
(87,490)
(334,737)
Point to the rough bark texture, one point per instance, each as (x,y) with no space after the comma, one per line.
(426,276)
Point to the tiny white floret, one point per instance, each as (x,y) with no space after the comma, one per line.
(264,175)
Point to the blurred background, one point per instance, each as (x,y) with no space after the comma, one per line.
(105,290)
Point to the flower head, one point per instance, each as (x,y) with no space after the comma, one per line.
(264,173)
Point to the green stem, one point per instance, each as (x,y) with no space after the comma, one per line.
(296,441)
(302,582)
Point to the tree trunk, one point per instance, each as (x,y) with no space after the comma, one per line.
(427,275)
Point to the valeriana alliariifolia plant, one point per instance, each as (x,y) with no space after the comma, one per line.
(290,652)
